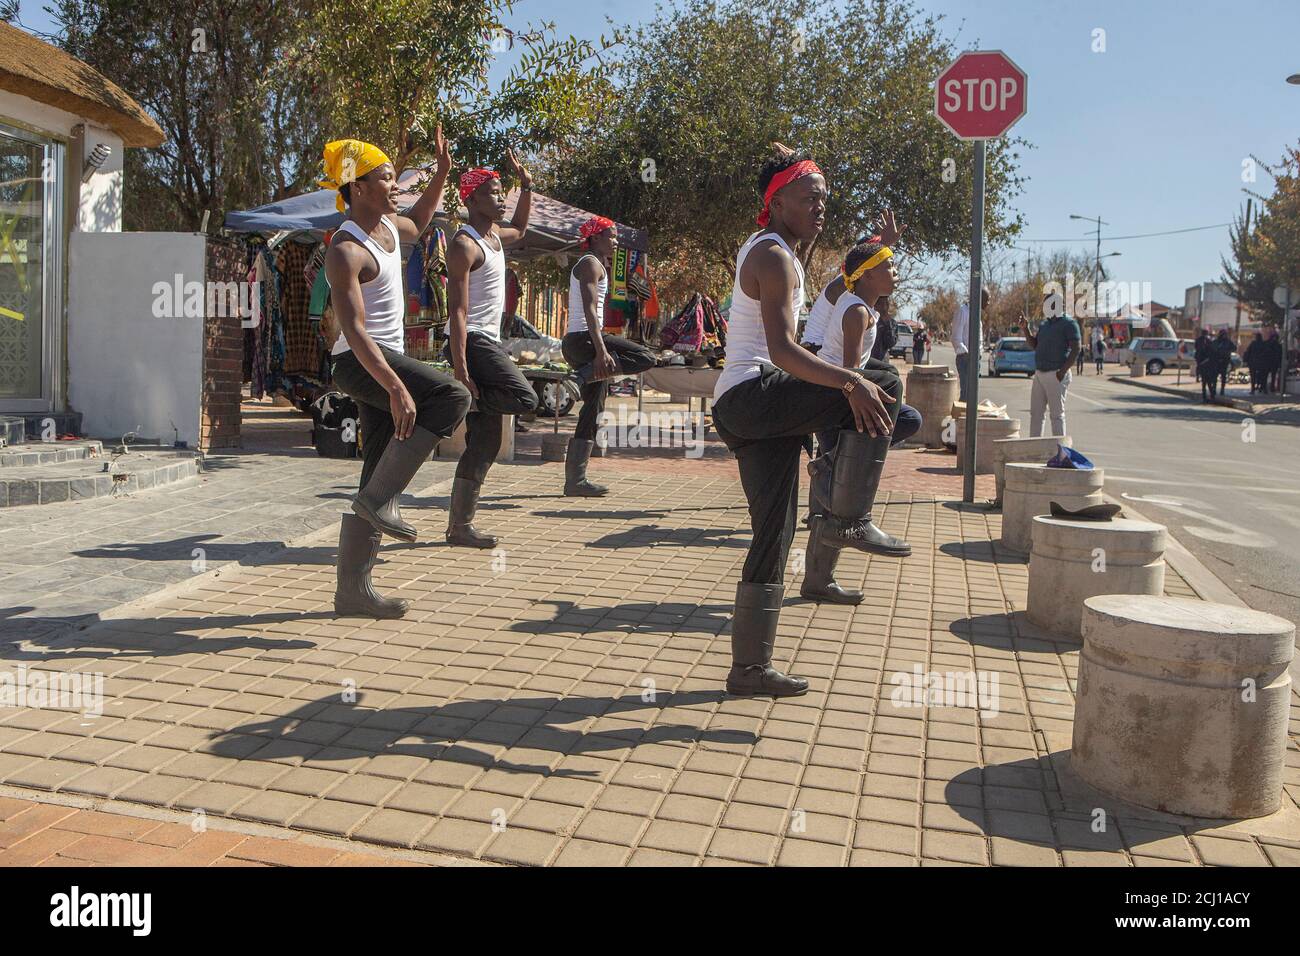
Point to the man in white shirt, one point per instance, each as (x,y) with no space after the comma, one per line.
(960,333)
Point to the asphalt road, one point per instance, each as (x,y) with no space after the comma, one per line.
(1227,487)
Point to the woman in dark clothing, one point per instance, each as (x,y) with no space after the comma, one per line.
(1205,366)
(1254,359)
(1223,347)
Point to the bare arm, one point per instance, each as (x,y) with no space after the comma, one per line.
(855,323)
(769,275)
(412,225)
(344,263)
(589,272)
(463,254)
(514,232)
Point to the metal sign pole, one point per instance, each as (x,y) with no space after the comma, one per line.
(973,333)
(1286,344)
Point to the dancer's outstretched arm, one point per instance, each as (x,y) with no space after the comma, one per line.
(412,224)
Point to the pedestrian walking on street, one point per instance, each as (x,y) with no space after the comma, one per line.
(1078,362)
(1254,359)
(405,406)
(1272,367)
(1223,348)
(1098,347)
(1056,345)
(771,396)
(1206,370)
(966,365)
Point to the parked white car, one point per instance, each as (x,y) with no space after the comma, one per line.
(1157,354)
(527,346)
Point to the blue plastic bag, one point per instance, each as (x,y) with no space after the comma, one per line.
(1069,458)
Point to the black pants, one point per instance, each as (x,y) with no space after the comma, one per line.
(440,400)
(1209,380)
(579,351)
(502,390)
(765,422)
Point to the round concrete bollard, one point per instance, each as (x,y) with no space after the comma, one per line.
(1137,369)
(1030,488)
(1075,560)
(988,431)
(555,447)
(1183,705)
(1034,450)
(931,390)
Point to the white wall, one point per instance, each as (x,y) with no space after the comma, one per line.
(100,205)
(127,369)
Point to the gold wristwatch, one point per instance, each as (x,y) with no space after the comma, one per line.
(848,387)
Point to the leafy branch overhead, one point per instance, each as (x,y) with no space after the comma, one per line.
(249,91)
(704,89)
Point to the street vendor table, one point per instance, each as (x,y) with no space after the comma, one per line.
(681,380)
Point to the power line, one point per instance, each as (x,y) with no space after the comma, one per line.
(1144,235)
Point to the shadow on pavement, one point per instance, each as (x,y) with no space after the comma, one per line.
(1038,801)
(1010,632)
(987,552)
(675,617)
(327,729)
(161,637)
(647,534)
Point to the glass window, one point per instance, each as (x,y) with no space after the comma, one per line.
(27,175)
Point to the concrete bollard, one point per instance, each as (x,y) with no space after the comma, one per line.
(931,390)
(1072,561)
(1183,705)
(454,445)
(555,447)
(988,431)
(1029,489)
(1137,369)
(1033,450)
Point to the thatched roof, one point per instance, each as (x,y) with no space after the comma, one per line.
(39,71)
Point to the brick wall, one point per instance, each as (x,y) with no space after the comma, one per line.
(223,353)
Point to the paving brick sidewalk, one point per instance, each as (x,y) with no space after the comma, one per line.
(559,701)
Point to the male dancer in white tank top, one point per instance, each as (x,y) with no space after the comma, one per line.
(405,406)
(593,354)
(476,300)
(774,393)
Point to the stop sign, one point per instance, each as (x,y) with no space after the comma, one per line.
(980,95)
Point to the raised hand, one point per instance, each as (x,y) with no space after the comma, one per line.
(441,149)
(888,228)
(518,170)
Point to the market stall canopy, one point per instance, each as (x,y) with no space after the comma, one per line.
(552,226)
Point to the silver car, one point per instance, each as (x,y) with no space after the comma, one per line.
(1158,354)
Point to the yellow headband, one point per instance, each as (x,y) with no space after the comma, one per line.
(347,160)
(871,263)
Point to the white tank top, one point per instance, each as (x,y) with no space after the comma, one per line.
(577,311)
(746,341)
(826,327)
(487,290)
(382,296)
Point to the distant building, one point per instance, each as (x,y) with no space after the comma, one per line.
(1211,306)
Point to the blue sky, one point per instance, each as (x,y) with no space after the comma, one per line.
(1150,134)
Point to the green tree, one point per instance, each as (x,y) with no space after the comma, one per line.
(1270,256)
(249,91)
(238,133)
(706,87)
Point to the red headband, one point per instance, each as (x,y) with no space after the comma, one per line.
(472,179)
(594,227)
(805,167)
